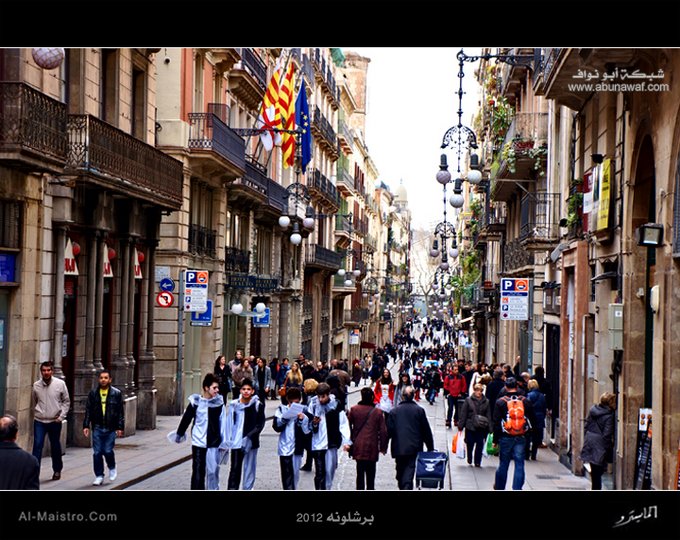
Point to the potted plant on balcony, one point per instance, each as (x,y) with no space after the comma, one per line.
(539,155)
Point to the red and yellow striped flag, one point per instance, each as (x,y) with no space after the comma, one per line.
(287,107)
(270,113)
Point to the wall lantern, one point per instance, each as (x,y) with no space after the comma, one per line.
(650,235)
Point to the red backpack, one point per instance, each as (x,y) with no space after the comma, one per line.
(515,422)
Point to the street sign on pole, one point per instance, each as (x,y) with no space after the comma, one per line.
(203,319)
(167,284)
(514,299)
(263,320)
(195,290)
(165,299)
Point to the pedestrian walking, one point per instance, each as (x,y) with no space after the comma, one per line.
(104,413)
(369,438)
(408,430)
(535,436)
(208,433)
(456,387)
(475,419)
(513,417)
(262,377)
(222,371)
(239,374)
(384,391)
(292,435)
(308,392)
(245,422)
(51,404)
(598,444)
(330,432)
(18,468)
(294,379)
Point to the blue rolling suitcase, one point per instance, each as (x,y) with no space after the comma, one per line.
(431,469)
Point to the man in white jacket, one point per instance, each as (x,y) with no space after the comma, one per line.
(330,431)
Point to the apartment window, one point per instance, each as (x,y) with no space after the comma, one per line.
(108,86)
(202,237)
(139,103)
(10,224)
(592,283)
(262,252)
(198,84)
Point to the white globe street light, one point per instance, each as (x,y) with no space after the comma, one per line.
(260,307)
(237,308)
(284,221)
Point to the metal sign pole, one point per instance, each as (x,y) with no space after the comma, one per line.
(180,343)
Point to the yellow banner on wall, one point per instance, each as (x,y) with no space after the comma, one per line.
(605,195)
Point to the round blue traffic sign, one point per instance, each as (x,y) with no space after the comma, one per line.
(167,284)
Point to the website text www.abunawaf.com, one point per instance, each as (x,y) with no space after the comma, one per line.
(619,87)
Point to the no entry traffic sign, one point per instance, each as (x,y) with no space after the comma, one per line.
(165,299)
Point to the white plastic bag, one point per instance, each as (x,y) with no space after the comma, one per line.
(460,445)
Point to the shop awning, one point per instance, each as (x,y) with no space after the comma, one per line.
(367,345)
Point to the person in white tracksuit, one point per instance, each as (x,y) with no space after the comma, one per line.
(330,431)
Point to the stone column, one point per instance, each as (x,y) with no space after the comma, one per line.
(84,369)
(59,300)
(146,395)
(98,278)
(132,384)
(120,362)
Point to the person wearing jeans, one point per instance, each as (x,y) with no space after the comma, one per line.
(104,413)
(50,406)
(512,443)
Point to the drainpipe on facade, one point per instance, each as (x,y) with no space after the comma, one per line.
(99,303)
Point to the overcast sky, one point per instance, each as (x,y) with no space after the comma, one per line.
(412,102)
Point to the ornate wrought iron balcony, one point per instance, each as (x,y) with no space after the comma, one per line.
(208,133)
(118,161)
(539,226)
(202,241)
(32,128)
(516,257)
(236,260)
(321,257)
(320,184)
(356,315)
(323,128)
(343,224)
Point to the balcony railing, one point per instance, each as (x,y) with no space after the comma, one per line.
(236,260)
(202,241)
(343,224)
(208,132)
(307,69)
(528,126)
(33,126)
(256,177)
(277,196)
(123,162)
(361,226)
(256,67)
(345,134)
(325,129)
(515,256)
(221,110)
(322,257)
(345,178)
(538,223)
(319,182)
(339,283)
(356,315)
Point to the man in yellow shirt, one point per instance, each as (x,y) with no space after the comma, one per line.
(104,413)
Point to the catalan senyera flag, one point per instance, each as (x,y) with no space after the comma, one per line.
(270,114)
(287,107)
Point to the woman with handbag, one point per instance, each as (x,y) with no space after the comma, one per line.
(369,437)
(475,419)
(598,444)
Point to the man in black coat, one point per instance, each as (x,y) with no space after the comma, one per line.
(408,429)
(105,414)
(18,468)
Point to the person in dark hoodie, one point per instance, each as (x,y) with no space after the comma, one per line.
(245,422)
(336,390)
(207,434)
(598,444)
